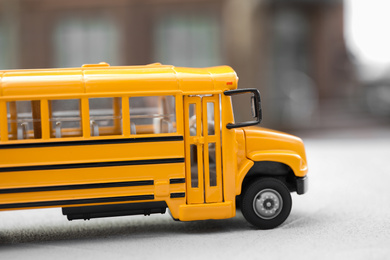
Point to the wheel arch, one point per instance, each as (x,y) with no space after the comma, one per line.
(274,169)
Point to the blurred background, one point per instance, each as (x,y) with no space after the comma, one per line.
(319,64)
(323,69)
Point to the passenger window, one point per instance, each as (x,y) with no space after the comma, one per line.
(65,118)
(152,115)
(105,115)
(24,120)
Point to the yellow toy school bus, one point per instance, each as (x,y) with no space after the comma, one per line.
(103,141)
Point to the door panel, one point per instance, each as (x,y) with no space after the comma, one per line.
(212,149)
(194,150)
(203,149)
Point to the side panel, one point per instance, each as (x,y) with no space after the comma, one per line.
(71,152)
(229,151)
(91,172)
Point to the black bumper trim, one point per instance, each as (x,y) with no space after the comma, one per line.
(115,210)
(302,185)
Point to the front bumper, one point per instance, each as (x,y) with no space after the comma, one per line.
(302,185)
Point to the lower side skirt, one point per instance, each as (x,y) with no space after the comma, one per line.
(115,210)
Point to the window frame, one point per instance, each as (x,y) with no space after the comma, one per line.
(85,117)
(50,116)
(175,113)
(115,106)
(36,120)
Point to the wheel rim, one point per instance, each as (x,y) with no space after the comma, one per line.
(267,204)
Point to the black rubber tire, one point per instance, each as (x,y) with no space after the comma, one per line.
(248,197)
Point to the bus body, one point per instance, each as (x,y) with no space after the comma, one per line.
(103,141)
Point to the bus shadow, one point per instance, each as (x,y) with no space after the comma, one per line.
(123,229)
(135,229)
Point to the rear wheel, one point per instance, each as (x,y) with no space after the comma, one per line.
(266,203)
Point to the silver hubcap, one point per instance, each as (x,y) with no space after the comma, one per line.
(267,204)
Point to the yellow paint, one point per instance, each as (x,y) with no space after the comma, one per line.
(91,153)
(245,166)
(219,180)
(276,146)
(161,188)
(207,211)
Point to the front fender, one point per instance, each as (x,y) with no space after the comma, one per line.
(290,158)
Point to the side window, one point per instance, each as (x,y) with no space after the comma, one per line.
(210,118)
(24,120)
(152,115)
(65,118)
(105,116)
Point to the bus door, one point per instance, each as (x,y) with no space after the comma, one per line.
(203,149)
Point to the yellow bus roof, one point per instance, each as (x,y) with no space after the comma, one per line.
(104,79)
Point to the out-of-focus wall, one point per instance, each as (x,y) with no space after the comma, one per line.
(292,51)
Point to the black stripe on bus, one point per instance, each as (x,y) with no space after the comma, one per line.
(178,195)
(78,186)
(177,180)
(94,142)
(75,202)
(90,165)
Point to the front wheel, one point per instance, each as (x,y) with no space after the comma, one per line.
(266,203)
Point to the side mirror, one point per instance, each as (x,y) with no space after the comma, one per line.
(255,106)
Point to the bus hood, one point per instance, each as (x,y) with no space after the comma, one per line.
(262,140)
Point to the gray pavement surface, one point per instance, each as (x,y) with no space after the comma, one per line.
(345,215)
